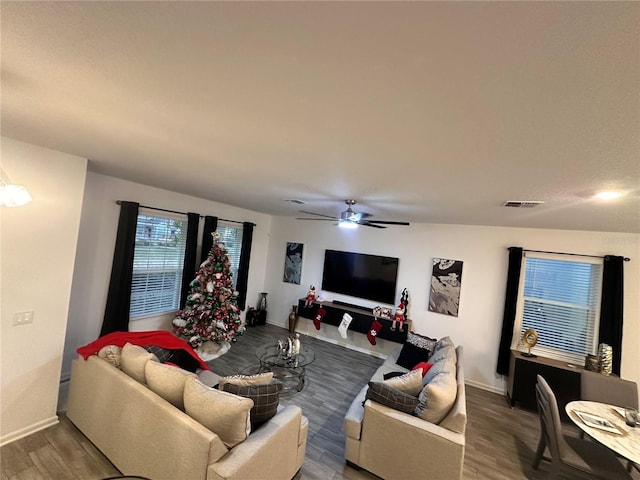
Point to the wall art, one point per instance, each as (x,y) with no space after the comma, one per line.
(293,263)
(446,281)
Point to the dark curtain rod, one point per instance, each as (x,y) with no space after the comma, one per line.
(183,213)
(626,259)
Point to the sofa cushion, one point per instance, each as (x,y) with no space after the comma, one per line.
(446,352)
(445,364)
(443,342)
(133,360)
(382,393)
(416,349)
(112,354)
(410,382)
(167,381)
(265,400)
(246,380)
(223,413)
(437,397)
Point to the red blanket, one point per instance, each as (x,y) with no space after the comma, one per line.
(161,338)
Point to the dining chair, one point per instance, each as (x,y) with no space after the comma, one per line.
(596,387)
(570,453)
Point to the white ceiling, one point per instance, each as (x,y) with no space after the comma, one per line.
(422,111)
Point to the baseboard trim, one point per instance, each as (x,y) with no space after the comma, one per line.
(26,431)
(487,388)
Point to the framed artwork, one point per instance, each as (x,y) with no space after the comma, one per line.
(446,281)
(293,263)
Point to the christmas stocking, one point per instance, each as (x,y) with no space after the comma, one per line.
(344,325)
(319,316)
(376,326)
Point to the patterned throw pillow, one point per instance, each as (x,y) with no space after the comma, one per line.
(224,414)
(416,349)
(245,380)
(410,383)
(111,353)
(162,354)
(265,400)
(382,393)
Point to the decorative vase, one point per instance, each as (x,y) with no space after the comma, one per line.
(605,355)
(293,319)
(262,301)
(592,363)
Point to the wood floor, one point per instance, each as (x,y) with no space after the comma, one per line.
(500,440)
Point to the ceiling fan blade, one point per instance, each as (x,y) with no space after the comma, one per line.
(385,222)
(318,215)
(318,219)
(369,224)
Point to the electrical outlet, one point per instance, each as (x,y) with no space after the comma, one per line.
(22,318)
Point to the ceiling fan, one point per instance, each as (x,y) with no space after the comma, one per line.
(350,218)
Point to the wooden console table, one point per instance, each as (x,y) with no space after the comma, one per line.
(562,377)
(361,323)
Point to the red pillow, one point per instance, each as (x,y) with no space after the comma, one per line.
(425,366)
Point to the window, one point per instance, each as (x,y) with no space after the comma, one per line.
(232,239)
(157,265)
(560,298)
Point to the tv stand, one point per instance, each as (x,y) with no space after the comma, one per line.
(362,319)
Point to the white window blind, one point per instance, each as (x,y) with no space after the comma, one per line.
(560,298)
(231,236)
(157,265)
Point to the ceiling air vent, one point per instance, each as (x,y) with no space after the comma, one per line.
(522,203)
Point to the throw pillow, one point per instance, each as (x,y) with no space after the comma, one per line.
(162,354)
(133,360)
(382,393)
(424,366)
(410,383)
(245,380)
(446,352)
(265,400)
(436,398)
(223,413)
(416,348)
(167,381)
(445,365)
(444,341)
(112,354)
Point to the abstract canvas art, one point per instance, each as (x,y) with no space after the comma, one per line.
(446,281)
(293,263)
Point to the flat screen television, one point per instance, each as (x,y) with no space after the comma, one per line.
(371,277)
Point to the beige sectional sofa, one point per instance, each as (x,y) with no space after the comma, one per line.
(397,445)
(144,434)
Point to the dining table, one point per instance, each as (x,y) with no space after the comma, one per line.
(606,424)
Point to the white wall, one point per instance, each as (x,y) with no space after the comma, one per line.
(38,245)
(484,253)
(96,244)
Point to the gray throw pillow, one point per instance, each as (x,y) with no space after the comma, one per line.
(265,400)
(391,397)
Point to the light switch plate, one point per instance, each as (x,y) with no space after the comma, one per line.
(22,318)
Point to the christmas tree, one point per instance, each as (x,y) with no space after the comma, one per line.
(211,309)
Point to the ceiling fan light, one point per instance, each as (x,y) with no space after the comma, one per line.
(347,224)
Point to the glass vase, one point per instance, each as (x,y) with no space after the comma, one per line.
(262,301)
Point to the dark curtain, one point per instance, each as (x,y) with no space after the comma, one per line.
(116,313)
(611,307)
(189,265)
(511,298)
(210,226)
(243,268)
